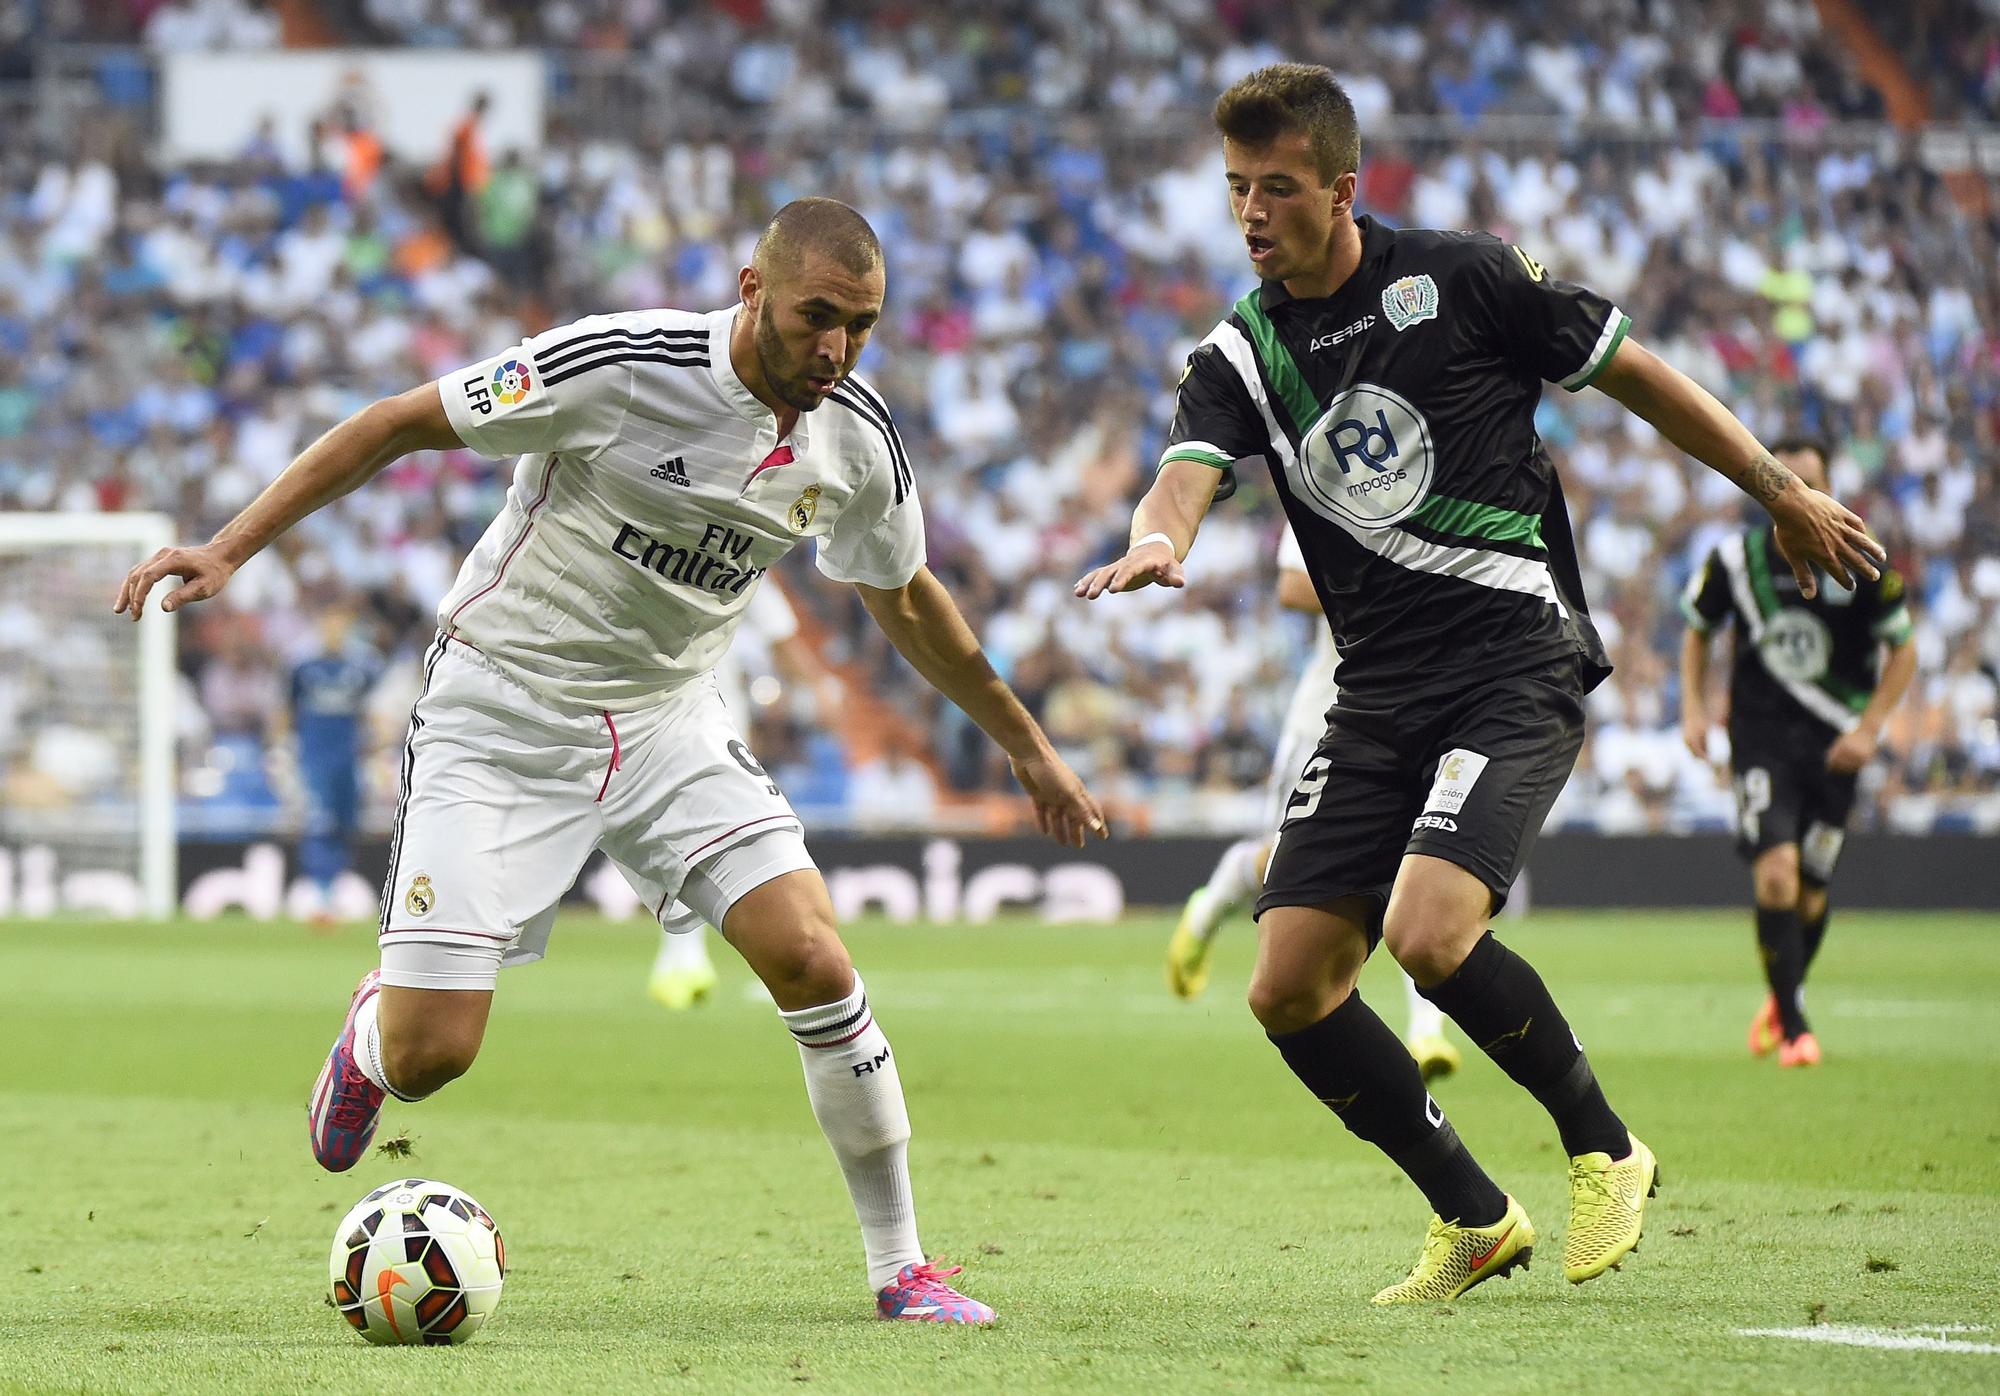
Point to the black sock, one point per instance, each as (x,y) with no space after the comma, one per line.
(1811,933)
(1360,1069)
(1502,1004)
(1782,947)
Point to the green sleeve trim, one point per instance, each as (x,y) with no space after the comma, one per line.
(1697,622)
(1577,385)
(1194,453)
(1896,627)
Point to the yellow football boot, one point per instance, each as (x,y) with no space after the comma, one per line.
(1455,1258)
(1187,952)
(1436,1057)
(683,986)
(1607,1210)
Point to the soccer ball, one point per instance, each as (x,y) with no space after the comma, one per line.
(417,1262)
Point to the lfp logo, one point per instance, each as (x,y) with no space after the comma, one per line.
(511,382)
(1367,461)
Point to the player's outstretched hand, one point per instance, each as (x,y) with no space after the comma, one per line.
(1817,530)
(203,572)
(1149,564)
(1064,810)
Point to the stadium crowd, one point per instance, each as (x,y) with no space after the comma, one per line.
(170,337)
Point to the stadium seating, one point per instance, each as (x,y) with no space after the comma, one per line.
(168,337)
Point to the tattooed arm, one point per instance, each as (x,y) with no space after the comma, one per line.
(1812,528)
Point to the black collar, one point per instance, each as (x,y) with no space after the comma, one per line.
(1376,239)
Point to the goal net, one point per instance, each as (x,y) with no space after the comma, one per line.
(86,721)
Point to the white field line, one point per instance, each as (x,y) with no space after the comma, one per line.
(1855,1336)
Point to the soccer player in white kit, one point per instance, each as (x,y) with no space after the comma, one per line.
(667,460)
(1239,873)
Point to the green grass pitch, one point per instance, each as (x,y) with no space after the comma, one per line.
(1137,1184)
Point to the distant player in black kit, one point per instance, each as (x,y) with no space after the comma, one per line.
(1809,691)
(1389,379)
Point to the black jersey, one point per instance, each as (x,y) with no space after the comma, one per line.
(1397,418)
(1796,660)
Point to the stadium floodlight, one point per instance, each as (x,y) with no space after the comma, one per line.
(86,719)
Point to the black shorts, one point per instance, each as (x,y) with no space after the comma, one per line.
(1467,778)
(1785,794)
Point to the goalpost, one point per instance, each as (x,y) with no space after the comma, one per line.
(87,781)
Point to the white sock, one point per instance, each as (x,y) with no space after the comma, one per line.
(686,951)
(1426,1018)
(1231,887)
(857,1096)
(368,1046)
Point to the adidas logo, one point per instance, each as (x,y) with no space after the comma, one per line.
(674,472)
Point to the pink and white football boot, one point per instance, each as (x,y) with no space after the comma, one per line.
(345,1105)
(919,1294)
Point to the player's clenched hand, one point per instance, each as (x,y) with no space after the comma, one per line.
(1148,564)
(1694,733)
(1850,751)
(1817,530)
(203,572)
(1064,810)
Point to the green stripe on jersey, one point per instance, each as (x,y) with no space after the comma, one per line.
(1758,555)
(1465,519)
(1279,366)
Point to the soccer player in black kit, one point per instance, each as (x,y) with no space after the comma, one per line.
(1809,690)
(1389,380)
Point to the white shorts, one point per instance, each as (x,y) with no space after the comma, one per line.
(506,796)
(1305,725)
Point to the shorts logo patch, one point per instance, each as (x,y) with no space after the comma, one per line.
(421,897)
(1819,850)
(1458,771)
(1410,301)
(1444,824)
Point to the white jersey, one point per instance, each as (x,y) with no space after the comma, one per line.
(651,496)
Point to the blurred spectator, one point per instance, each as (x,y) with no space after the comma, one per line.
(1045,183)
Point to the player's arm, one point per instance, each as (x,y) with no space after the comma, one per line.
(1694,691)
(341,461)
(1813,529)
(1705,604)
(1854,748)
(1296,592)
(924,624)
(1163,529)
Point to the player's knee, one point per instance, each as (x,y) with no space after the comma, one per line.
(810,967)
(1288,1003)
(1429,943)
(1812,901)
(420,1063)
(1775,877)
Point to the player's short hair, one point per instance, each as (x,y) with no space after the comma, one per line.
(823,225)
(1787,445)
(1261,106)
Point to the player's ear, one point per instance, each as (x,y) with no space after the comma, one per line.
(750,286)
(1343,193)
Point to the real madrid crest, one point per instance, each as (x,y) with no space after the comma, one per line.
(421,897)
(800,515)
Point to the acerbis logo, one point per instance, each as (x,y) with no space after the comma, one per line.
(1327,341)
(1367,461)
